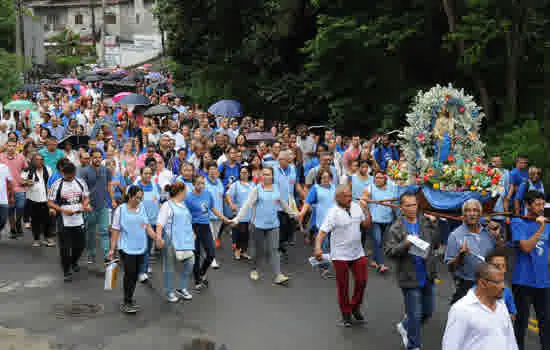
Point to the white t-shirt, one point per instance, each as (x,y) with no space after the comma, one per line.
(5,176)
(72,194)
(345,232)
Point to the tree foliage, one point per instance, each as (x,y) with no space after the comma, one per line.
(8,61)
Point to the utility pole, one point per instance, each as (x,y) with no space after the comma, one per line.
(92,8)
(101,58)
(19,48)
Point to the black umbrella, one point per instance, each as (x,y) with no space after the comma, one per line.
(102,72)
(75,140)
(160,110)
(91,78)
(56,76)
(45,81)
(258,137)
(116,75)
(134,99)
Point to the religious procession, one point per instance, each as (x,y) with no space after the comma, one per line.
(155,191)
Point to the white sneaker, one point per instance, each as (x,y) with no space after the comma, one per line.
(403,332)
(184,294)
(281,279)
(254,275)
(172,298)
(143,277)
(215,264)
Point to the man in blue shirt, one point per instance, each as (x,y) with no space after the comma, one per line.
(533,183)
(415,274)
(518,175)
(383,154)
(531,276)
(468,246)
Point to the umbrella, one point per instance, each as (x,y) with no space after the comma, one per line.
(19,105)
(92,78)
(75,140)
(45,81)
(154,76)
(119,96)
(226,108)
(69,81)
(147,65)
(260,136)
(134,99)
(56,76)
(160,110)
(116,75)
(31,87)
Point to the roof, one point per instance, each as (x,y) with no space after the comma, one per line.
(71,3)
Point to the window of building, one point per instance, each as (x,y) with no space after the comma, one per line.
(52,19)
(79,19)
(109,18)
(137,18)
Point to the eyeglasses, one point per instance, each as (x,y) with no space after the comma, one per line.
(498,283)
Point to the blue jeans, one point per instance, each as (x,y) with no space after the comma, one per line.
(97,219)
(420,305)
(377,232)
(185,267)
(147,255)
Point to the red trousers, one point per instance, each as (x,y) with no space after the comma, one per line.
(360,275)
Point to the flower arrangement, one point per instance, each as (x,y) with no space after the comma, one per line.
(418,140)
(463,175)
(397,172)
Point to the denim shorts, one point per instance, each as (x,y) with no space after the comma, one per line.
(19,206)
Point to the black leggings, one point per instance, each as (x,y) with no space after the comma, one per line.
(204,238)
(40,219)
(71,244)
(242,235)
(130,265)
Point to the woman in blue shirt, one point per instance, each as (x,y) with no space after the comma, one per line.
(382,216)
(322,195)
(129,233)
(215,186)
(174,225)
(151,203)
(266,201)
(200,204)
(236,197)
(187,170)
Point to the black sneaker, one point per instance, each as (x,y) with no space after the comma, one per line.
(76,268)
(346,320)
(357,315)
(13,234)
(200,286)
(68,277)
(128,308)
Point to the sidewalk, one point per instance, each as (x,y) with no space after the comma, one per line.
(40,311)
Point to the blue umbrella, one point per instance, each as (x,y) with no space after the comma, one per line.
(134,99)
(226,108)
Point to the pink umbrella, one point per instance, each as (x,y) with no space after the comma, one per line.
(83,90)
(119,96)
(69,81)
(147,65)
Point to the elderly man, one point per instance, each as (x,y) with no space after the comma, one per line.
(415,274)
(343,221)
(468,246)
(480,320)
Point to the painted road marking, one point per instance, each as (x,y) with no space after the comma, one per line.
(40,281)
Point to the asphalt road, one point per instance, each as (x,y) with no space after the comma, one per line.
(235,311)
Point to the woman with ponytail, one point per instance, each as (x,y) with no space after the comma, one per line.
(175,226)
(130,229)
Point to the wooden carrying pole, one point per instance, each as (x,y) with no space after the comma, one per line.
(387,203)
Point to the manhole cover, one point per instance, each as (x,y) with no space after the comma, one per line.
(77,310)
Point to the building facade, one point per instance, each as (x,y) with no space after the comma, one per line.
(131,22)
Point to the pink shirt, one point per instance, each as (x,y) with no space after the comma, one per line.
(16,165)
(350,154)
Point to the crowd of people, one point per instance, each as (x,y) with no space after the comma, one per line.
(177,184)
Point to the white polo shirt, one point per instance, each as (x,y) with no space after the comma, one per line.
(345,232)
(473,326)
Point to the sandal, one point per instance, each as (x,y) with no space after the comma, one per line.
(383,268)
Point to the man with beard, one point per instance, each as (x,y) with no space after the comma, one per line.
(468,246)
(98,181)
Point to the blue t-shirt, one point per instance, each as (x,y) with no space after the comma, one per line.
(55,176)
(228,174)
(517,177)
(199,206)
(419,265)
(531,269)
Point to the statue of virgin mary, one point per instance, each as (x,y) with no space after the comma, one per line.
(443,133)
